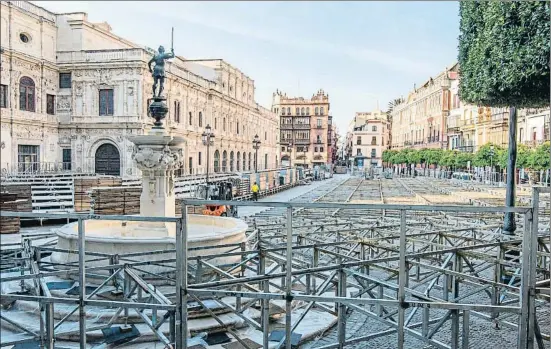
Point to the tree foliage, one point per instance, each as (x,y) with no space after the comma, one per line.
(504,52)
(536,159)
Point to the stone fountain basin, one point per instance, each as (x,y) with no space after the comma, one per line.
(124,237)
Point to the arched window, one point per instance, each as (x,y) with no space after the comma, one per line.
(217,161)
(224,161)
(238,168)
(231,161)
(302,111)
(297,110)
(224,124)
(265,161)
(237,128)
(307,110)
(200,119)
(321,111)
(249,166)
(288,110)
(282,111)
(26,94)
(190,119)
(316,111)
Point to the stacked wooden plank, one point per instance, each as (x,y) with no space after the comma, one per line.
(82,187)
(23,193)
(9,225)
(116,200)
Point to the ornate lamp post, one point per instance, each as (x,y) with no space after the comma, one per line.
(256,146)
(208,140)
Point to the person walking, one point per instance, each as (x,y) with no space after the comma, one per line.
(255,189)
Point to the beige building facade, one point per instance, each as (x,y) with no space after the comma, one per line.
(369,137)
(306,136)
(73,91)
(421,120)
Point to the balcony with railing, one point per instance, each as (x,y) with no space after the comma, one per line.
(302,141)
(301,126)
(286,126)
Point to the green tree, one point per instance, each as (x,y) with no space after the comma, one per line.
(503,56)
(485,156)
(414,157)
(462,159)
(447,159)
(539,158)
(388,155)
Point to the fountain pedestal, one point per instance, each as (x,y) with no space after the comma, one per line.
(158,155)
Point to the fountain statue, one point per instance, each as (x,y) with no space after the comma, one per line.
(158,155)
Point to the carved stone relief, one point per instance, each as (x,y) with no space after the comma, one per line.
(64,103)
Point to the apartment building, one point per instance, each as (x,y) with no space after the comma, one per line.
(369,137)
(306,136)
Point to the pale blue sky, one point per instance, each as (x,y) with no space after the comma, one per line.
(359,52)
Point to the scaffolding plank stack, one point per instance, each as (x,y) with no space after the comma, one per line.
(82,187)
(9,225)
(23,193)
(115,200)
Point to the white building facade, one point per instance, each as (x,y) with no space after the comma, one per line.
(72,92)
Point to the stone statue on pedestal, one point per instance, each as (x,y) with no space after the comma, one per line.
(158,70)
(158,108)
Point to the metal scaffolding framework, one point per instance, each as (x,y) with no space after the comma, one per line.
(423,273)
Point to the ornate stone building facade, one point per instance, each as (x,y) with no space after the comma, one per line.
(73,91)
(306,138)
(420,122)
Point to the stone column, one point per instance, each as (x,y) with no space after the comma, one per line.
(158,156)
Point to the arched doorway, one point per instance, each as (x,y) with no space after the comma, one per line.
(108,160)
(232,159)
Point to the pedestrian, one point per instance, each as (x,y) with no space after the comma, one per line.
(255,189)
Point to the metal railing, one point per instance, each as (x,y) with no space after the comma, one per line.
(413,252)
(33,168)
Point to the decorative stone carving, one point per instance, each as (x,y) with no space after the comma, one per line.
(104,76)
(130,90)
(148,158)
(78,89)
(64,103)
(119,138)
(129,171)
(3,145)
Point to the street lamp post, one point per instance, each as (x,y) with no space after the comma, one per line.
(491,162)
(208,140)
(256,146)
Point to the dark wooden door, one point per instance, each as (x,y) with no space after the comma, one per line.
(108,160)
